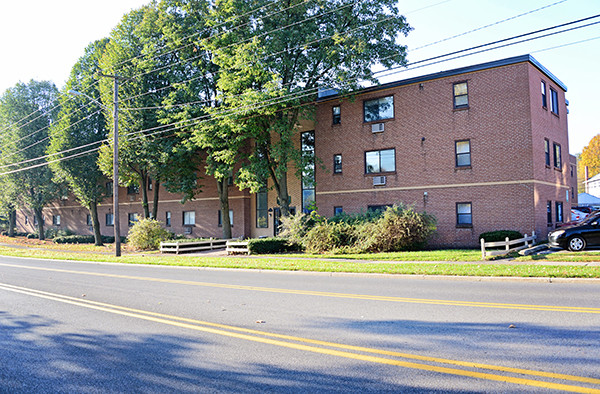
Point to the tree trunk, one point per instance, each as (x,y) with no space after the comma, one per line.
(223,190)
(12,221)
(93,208)
(40,219)
(155,199)
(283,197)
(143,186)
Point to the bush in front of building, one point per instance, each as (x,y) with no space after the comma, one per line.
(271,245)
(84,239)
(147,234)
(396,228)
(500,235)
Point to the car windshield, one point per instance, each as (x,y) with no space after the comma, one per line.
(594,216)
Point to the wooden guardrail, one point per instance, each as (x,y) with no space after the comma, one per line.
(234,246)
(183,247)
(527,241)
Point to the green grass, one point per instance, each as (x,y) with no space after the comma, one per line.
(291,263)
(426,255)
(579,257)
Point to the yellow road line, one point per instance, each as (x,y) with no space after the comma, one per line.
(250,335)
(548,308)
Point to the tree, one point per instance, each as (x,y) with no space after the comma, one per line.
(81,122)
(26,113)
(590,157)
(274,66)
(147,148)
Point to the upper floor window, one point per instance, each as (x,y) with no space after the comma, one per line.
(380,161)
(544,98)
(378,109)
(109,188)
(463,153)
(553,101)
(189,218)
(461,95)
(337,114)
(337,164)
(133,189)
(557,160)
(547,151)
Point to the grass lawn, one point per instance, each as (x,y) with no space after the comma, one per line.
(439,262)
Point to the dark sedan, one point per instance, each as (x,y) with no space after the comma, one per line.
(577,237)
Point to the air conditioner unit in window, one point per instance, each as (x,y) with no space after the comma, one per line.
(377,127)
(379,180)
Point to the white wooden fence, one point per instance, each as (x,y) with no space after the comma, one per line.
(234,246)
(527,241)
(182,247)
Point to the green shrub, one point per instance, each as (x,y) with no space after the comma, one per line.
(271,245)
(84,239)
(295,227)
(328,236)
(495,236)
(147,234)
(399,228)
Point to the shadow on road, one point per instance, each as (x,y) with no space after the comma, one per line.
(36,359)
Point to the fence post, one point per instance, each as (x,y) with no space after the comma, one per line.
(482,249)
(526,241)
(507,246)
(534,240)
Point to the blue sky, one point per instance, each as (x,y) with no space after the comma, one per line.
(42,39)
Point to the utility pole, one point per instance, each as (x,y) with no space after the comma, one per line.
(116,222)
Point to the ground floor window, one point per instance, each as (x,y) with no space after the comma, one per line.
(88,219)
(464,214)
(132,218)
(559,212)
(168,218)
(220,218)
(262,209)
(56,220)
(110,219)
(337,211)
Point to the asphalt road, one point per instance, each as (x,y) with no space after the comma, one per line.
(88,327)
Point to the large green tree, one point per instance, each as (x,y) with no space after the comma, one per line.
(26,113)
(148,149)
(274,66)
(81,122)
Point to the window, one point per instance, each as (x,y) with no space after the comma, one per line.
(464,214)
(557,160)
(220,218)
(461,95)
(168,218)
(88,219)
(262,209)
(549,212)
(378,109)
(337,211)
(559,212)
(56,220)
(337,114)
(132,218)
(35,220)
(109,188)
(133,189)
(189,218)
(26,219)
(463,153)
(572,171)
(380,161)
(337,164)
(547,151)
(308,173)
(553,101)
(377,208)
(544,98)
(110,219)
(149,183)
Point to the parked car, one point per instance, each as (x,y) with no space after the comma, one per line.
(587,210)
(578,236)
(577,215)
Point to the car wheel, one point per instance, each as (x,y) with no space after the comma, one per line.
(576,244)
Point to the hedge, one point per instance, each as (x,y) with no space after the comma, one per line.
(271,245)
(500,235)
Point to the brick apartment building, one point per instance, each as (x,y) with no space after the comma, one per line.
(481,148)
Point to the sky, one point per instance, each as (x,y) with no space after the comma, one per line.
(43,39)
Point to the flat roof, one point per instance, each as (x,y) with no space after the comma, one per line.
(449,73)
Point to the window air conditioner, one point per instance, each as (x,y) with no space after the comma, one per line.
(379,180)
(377,127)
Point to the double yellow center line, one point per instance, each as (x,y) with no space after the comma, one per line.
(364,354)
(475,304)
